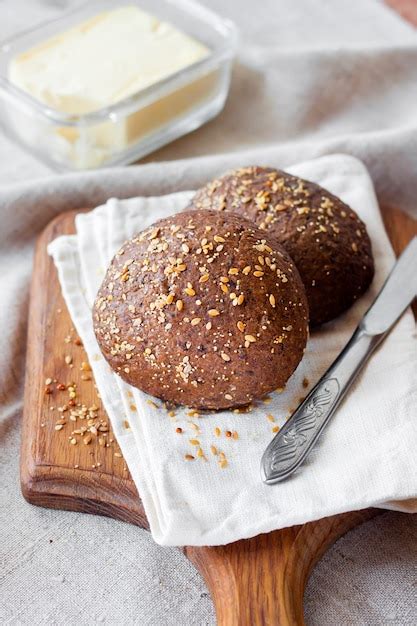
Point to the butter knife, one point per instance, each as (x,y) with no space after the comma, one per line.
(292,444)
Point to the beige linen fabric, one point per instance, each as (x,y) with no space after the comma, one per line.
(311,78)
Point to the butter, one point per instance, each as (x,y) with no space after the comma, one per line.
(101,62)
(104,60)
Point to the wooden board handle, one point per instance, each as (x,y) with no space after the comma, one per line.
(261,581)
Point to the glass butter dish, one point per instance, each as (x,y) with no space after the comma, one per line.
(152,99)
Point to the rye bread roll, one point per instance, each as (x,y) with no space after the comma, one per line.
(202,309)
(326,239)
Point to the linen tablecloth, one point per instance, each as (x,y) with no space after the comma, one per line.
(311,78)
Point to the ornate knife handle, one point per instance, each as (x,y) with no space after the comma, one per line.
(297,437)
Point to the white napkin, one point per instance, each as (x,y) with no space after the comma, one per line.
(366,456)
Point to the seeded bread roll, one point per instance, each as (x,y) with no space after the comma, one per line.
(325,237)
(202,309)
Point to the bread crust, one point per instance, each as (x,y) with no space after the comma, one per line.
(326,239)
(185,315)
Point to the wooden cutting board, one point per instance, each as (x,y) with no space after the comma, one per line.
(256,581)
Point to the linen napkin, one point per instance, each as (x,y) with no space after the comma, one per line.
(366,456)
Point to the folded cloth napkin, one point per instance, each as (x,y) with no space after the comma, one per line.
(366,456)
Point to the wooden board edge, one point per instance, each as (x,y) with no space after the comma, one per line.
(41,485)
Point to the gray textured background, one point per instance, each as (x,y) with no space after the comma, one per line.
(67,568)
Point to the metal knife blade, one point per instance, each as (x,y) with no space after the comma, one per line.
(398,291)
(292,444)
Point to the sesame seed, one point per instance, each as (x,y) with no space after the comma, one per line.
(233,271)
(225,356)
(204,278)
(272,300)
(217,431)
(179,305)
(185,248)
(246,270)
(240,299)
(258,273)
(213,312)
(189,291)
(189,457)
(241,326)
(195,321)
(194,442)
(213,450)
(250,338)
